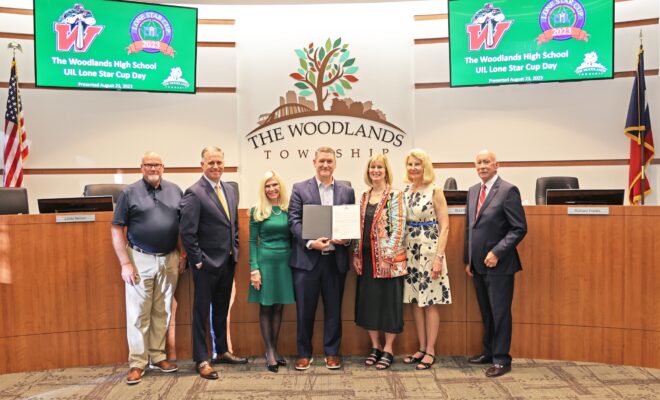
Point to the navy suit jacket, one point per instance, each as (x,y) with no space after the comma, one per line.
(307,192)
(500,226)
(207,234)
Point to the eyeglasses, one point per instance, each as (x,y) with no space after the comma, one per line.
(154,166)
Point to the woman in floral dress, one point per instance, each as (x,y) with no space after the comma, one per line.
(427,228)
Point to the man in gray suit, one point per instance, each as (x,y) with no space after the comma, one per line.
(319,266)
(209,232)
(494,225)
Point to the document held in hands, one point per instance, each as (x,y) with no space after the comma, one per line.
(333,222)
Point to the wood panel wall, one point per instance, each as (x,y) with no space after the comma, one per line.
(588,292)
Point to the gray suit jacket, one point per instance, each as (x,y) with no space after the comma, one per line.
(307,192)
(500,226)
(207,234)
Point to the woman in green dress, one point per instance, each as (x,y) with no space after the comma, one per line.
(271,283)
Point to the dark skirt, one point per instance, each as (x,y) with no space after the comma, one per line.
(378,301)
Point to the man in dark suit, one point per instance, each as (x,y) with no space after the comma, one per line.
(209,232)
(320,265)
(494,225)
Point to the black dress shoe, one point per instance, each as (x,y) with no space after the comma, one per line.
(497,370)
(229,358)
(281,361)
(480,359)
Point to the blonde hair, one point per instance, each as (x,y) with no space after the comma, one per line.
(429,174)
(388,171)
(263,208)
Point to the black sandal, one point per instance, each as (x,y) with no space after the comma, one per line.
(385,361)
(373,358)
(411,359)
(426,365)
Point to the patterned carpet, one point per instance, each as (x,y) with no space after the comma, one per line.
(450,378)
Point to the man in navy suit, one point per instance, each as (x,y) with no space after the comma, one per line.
(209,232)
(494,225)
(320,265)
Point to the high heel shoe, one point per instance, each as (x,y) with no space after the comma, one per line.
(281,361)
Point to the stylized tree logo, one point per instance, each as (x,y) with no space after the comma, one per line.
(324,70)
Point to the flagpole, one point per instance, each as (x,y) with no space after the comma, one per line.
(641,132)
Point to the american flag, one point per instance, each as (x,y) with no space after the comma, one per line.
(16,146)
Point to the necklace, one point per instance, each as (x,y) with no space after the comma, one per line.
(276,213)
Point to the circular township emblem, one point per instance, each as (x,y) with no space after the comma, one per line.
(563,20)
(152,30)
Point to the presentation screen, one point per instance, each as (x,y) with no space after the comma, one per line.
(530,41)
(115,45)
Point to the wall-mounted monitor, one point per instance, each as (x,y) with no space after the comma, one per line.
(75,204)
(115,45)
(611,197)
(530,41)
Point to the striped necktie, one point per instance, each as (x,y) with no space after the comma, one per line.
(482,198)
(223,201)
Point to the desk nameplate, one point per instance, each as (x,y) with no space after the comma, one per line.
(588,211)
(60,219)
(456,210)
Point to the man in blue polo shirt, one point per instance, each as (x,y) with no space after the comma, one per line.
(145,236)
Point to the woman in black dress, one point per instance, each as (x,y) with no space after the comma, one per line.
(380,262)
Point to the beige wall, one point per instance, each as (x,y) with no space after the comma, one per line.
(553,121)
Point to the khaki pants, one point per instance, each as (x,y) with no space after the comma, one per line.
(149,306)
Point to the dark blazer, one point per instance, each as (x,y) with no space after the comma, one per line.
(207,235)
(500,226)
(307,192)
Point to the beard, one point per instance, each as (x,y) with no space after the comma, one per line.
(153,179)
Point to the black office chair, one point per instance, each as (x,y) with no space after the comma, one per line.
(13,201)
(104,189)
(450,184)
(553,182)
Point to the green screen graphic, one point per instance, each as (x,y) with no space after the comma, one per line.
(516,41)
(114,45)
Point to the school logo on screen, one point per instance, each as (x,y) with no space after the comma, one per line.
(175,79)
(151,32)
(562,20)
(319,108)
(590,66)
(76,29)
(487,28)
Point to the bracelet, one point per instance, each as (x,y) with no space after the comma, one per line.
(440,256)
